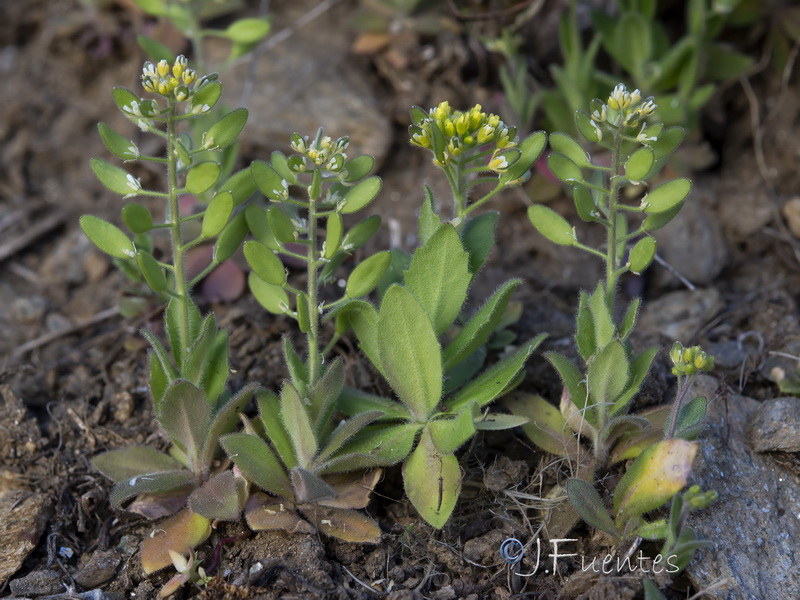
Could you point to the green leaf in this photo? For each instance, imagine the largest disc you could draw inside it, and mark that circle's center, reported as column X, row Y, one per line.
column 546, row 426
column 363, row 318
column 282, row 227
column 657, row 475
column 207, row 96
column 530, row 150
column 608, row 375
column 227, row 416
column 225, row 131
column 584, row 331
column 297, row 423
column 217, row 214
column 651, row 591
column 587, row 129
column 692, row 413
column 495, row 380
column 358, row 167
column 117, row 180
column 429, row 220
column 353, row 402
column 248, row 31
column 566, row 145
column 269, row 411
column 197, row 354
column 344, row 432
column 375, row 445
column 633, row 43
column 264, row 263
column 185, row 416
column 666, row 196
column 432, row 482
column 256, row 218
column 231, row 238
column 257, row 463
column 322, row 397
column 360, row 233
column 107, row 237
column 629, row 320
column 202, row 176
column 217, row 368
column 394, row 274
column 498, row 421
column 137, row 218
column 156, row 51
column 639, row 164
column 124, row 463
column 173, row 325
column 449, row 434
column 478, row 329
column 478, row 238
column 439, row 276
column 458, row 375
column 303, row 312
column 124, row 99
column 723, row 63
column 409, row 352
column 367, row 274
column 654, row 222
column 589, row 505
column 604, row 328
column 334, row 228
column 152, row 271
column 360, row 195
column 564, row 169
column 551, row 225
column 584, row 203
column 119, row 146
column 571, row 377
column 151, row 483
column 268, row 181
column 221, row 498
column 668, row 140
column 642, row 254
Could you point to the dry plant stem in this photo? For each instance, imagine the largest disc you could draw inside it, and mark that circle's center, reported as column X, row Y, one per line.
column 181, row 289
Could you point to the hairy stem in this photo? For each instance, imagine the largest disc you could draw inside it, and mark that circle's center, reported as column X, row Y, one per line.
column 181, row 288
column 313, row 313
column 613, row 209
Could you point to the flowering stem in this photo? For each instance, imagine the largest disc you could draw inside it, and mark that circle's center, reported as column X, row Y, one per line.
column 181, row 289
column 613, row 207
column 312, row 266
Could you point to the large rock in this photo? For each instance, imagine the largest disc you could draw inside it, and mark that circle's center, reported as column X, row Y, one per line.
column 755, row 524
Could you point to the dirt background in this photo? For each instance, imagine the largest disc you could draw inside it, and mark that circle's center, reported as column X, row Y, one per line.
column 73, row 371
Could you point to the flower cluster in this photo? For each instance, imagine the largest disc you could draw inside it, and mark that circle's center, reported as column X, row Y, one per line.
column 623, row 108
column 322, row 151
column 462, row 132
column 690, row 361
column 698, row 499
column 169, row 80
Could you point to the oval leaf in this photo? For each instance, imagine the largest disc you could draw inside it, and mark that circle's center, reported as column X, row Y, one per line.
column 225, row 131
column 271, row 297
column 361, row 194
column 202, row 176
column 268, row 181
column 217, row 214
column 358, row 167
column 360, row 233
column 207, row 96
column 666, row 196
column 367, row 274
column 639, row 164
column 642, row 254
column 551, row 225
column 117, row 144
column 107, row 237
column 137, row 218
column 264, row 263
column 566, row 145
column 432, row 482
column 248, row 31
column 180, row 534
column 117, row 180
column 333, row 235
column 281, row 225
column 152, row 271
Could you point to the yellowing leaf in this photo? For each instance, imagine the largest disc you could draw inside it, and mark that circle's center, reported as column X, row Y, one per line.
column 180, row 533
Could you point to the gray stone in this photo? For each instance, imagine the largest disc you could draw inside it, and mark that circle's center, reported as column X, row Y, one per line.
column 755, row 523
column 301, row 85
column 100, row 567
column 775, row 425
column 38, row 583
column 681, row 314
